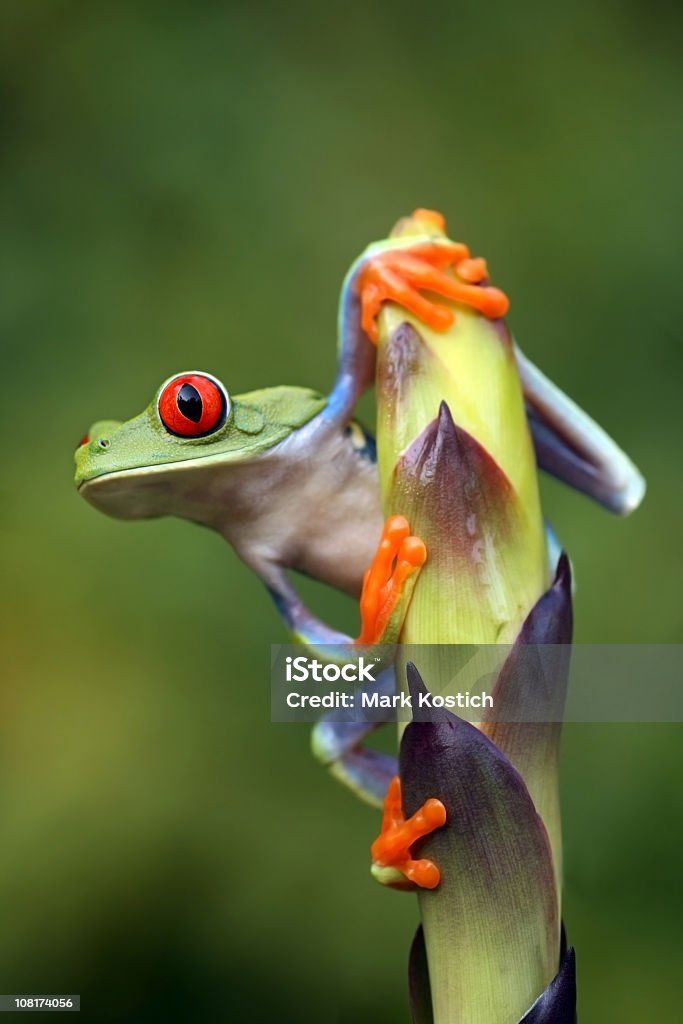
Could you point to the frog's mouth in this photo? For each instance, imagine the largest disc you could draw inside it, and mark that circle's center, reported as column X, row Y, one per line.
column 130, row 493
column 147, row 492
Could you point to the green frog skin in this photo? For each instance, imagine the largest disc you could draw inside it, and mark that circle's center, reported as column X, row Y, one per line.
column 289, row 479
column 266, row 443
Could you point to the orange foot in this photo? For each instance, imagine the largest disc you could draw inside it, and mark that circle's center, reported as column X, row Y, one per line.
column 441, row 267
column 392, row 863
column 399, row 555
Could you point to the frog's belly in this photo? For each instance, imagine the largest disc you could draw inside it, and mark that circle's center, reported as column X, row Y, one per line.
column 330, row 514
column 340, row 540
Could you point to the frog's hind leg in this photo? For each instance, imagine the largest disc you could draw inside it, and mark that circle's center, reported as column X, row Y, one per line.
column 387, row 589
column 572, row 447
column 339, row 746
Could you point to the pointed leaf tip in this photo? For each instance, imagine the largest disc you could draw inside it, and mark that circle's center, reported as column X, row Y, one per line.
column 529, row 699
column 564, row 570
column 550, row 621
column 416, row 684
column 446, row 421
column 417, row 689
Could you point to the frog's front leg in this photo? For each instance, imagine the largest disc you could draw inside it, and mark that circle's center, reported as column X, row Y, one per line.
column 357, row 358
column 387, row 588
column 401, row 275
column 402, row 269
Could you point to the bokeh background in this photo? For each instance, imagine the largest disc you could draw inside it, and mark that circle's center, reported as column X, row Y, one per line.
column 184, row 186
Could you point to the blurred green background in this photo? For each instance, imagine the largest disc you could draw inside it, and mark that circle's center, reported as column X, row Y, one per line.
column 184, row 186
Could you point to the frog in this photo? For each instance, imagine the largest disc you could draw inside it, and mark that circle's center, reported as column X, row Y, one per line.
column 289, row 478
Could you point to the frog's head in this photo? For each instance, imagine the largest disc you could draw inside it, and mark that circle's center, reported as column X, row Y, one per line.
column 172, row 458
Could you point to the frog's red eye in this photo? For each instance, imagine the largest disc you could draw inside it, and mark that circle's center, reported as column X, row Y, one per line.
column 192, row 405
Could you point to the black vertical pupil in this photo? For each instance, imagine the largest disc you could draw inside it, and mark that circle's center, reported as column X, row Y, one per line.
column 190, row 403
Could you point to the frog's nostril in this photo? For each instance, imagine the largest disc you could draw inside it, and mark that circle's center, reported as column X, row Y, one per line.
column 103, row 442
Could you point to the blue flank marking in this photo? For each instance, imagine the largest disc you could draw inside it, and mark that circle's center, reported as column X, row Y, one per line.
column 369, row 449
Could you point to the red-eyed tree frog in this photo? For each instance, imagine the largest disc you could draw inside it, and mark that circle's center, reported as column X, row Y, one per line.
column 290, row 480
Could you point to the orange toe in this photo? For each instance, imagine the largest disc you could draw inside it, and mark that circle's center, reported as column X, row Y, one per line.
column 432, row 218
column 444, row 269
column 391, row 849
column 399, row 555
